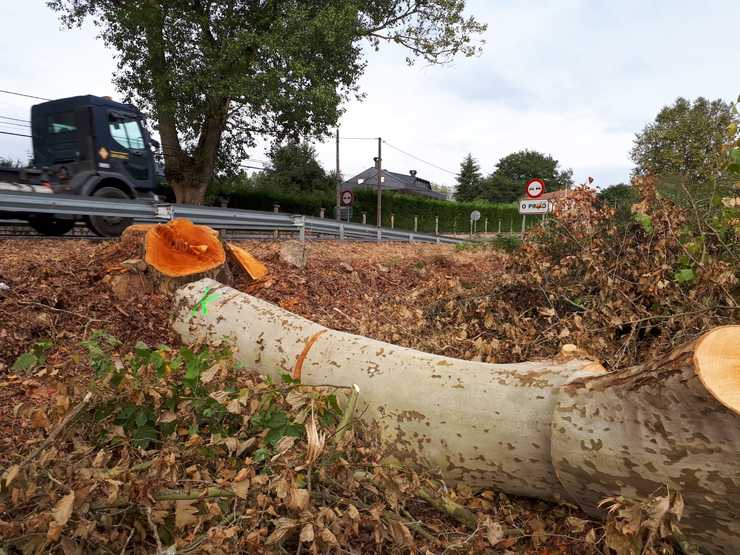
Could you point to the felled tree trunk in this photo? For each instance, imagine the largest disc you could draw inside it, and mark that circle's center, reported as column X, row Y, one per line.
column 674, row 423
column 550, row 429
column 486, row 424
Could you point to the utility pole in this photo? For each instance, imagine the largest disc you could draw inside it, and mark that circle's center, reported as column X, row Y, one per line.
column 339, row 183
column 379, row 166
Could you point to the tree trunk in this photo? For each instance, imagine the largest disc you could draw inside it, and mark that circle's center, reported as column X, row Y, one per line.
column 548, row 429
column 673, row 423
column 189, row 192
column 486, row 424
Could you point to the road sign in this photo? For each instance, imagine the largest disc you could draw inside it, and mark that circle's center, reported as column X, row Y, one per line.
column 474, row 216
column 535, row 188
column 347, row 198
column 534, row 206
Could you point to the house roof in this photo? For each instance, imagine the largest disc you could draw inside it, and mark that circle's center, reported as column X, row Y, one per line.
column 393, row 181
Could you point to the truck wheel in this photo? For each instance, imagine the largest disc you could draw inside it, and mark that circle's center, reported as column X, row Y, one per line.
column 109, row 226
column 49, row 225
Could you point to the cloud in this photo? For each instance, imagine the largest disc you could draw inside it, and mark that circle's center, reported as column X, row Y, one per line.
column 572, row 78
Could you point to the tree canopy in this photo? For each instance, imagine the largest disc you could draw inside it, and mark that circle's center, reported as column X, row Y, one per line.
column 685, row 141
column 506, row 183
column 469, row 180
column 214, row 74
column 294, row 168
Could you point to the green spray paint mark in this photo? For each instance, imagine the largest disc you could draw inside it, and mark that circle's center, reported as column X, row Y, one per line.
column 202, row 304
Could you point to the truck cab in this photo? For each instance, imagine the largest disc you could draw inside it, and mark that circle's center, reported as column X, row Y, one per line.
column 89, row 146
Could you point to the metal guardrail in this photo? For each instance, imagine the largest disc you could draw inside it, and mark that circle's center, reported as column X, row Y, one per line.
column 218, row 218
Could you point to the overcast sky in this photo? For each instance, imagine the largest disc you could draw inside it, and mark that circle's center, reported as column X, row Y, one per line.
column 574, row 79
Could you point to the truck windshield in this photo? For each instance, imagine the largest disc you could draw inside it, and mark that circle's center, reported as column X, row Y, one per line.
column 126, row 132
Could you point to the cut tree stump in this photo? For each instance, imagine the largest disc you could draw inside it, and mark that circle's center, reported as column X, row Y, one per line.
column 556, row 430
column 164, row 257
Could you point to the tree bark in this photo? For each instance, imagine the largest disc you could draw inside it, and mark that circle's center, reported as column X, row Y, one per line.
column 486, row 424
column 549, row 429
column 673, row 423
column 187, row 174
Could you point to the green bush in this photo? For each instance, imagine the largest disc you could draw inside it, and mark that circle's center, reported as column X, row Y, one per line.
column 508, row 243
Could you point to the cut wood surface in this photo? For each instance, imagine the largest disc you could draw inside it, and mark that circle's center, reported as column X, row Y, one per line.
column 165, row 257
column 548, row 429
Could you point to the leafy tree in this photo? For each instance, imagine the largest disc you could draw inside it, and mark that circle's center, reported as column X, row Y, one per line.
column 684, row 141
column 213, row 74
column 506, row 183
column 621, row 197
column 468, row 180
column 295, row 169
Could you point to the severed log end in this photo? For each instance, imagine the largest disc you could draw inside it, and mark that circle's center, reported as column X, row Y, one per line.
column 717, row 363
column 181, row 248
column 164, row 257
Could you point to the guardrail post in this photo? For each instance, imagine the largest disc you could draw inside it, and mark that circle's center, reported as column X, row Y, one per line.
column 364, row 218
column 380, row 235
column 524, row 222
column 499, row 225
column 393, row 221
column 276, row 233
column 322, row 212
column 411, row 237
column 416, row 224
column 511, row 226
column 300, row 223
column 436, row 226
column 485, row 226
column 341, row 232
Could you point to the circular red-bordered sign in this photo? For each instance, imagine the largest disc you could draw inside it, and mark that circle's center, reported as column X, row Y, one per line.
column 347, row 197
column 535, row 188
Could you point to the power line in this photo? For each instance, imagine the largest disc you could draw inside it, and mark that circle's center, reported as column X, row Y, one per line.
column 23, row 94
column 358, row 138
column 419, row 159
column 16, row 134
column 25, row 125
column 15, row 119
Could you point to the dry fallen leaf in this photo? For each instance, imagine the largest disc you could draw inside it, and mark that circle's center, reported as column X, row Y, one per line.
column 61, row 513
column 185, row 513
column 39, row 419
column 494, row 531
column 307, row 534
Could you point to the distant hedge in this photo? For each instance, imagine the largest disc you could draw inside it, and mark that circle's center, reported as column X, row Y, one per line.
column 454, row 217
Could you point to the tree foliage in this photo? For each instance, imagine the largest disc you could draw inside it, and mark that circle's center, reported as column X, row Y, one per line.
column 214, row 74
column 685, row 141
column 468, row 180
column 506, row 183
column 294, row 168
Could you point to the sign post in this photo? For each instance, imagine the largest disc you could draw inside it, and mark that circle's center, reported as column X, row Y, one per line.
column 346, row 198
column 474, row 217
column 534, row 204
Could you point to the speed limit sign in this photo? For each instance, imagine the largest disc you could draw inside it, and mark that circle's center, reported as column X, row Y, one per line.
column 347, row 198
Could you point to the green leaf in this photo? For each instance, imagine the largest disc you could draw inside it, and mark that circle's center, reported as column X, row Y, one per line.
column 261, row 455
column 645, row 221
column 685, row 275
column 25, row 362
column 288, row 379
